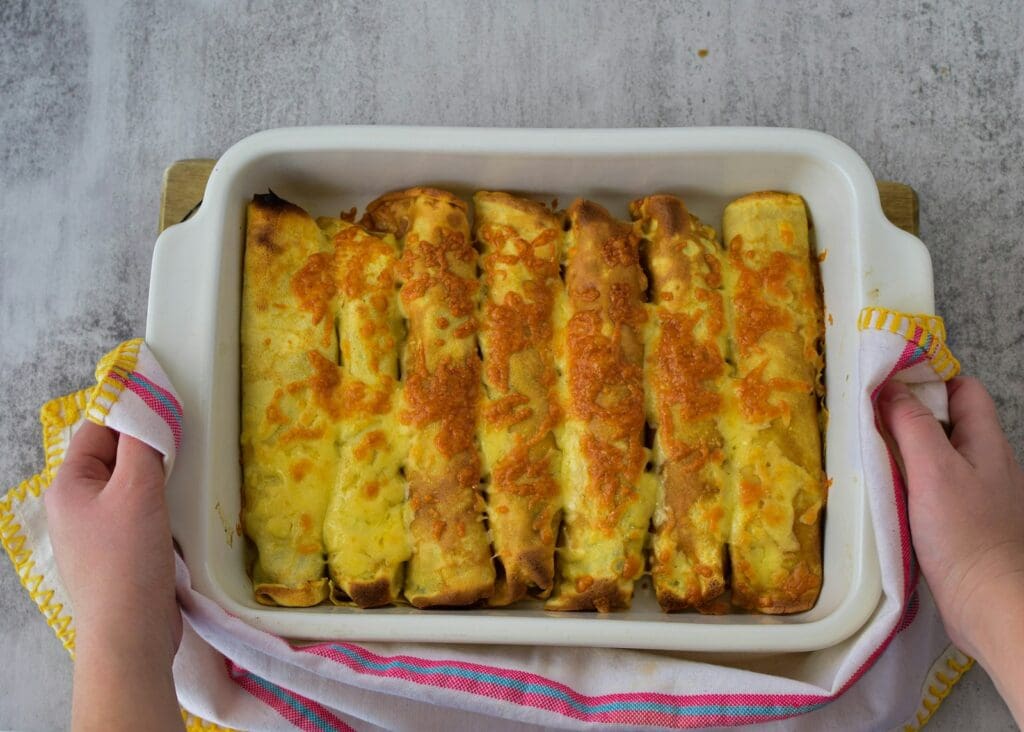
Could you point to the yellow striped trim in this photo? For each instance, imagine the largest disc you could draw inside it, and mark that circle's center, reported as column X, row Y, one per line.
column 14, row 543
column 56, row 416
column 108, row 390
column 943, row 676
column 198, row 724
column 940, row 357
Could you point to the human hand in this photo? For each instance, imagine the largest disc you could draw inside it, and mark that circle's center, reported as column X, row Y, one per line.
column 111, row 538
column 966, row 505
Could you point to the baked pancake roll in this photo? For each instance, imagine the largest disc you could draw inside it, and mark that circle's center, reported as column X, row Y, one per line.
column 687, row 376
column 520, row 243
column 364, row 529
column 289, row 400
column 451, row 556
column 775, row 543
column 607, row 495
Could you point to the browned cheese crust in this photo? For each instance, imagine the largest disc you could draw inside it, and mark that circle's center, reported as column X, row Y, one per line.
column 775, row 543
column 289, row 400
column 364, row 529
column 520, row 243
column 451, row 559
column 608, row 498
column 687, row 394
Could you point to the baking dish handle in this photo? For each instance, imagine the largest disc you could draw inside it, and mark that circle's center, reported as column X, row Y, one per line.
column 181, row 255
column 179, row 338
column 898, row 272
column 898, row 277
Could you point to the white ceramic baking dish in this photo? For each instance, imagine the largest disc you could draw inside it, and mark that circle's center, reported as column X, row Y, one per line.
column 194, row 318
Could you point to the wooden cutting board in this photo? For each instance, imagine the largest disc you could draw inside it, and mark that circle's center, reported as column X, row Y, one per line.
column 185, row 181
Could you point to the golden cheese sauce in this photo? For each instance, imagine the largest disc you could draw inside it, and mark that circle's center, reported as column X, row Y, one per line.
column 450, row 562
column 446, row 398
column 314, row 286
column 608, row 498
column 389, row 469
column 686, row 374
column 775, row 543
column 520, row 242
column 364, row 528
column 289, row 393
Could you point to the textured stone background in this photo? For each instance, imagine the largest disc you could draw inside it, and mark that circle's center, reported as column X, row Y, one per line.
column 96, row 101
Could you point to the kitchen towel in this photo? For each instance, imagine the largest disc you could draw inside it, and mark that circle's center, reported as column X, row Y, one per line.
column 892, row 674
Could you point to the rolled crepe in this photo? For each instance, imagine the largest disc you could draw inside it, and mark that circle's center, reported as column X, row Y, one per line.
column 451, row 556
column 290, row 404
column 520, row 241
column 687, row 382
column 775, row 542
column 608, row 497
column 364, row 528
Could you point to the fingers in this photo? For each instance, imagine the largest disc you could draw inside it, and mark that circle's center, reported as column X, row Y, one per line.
column 968, row 398
column 920, row 437
column 976, row 432
column 90, row 454
column 138, row 464
column 88, row 461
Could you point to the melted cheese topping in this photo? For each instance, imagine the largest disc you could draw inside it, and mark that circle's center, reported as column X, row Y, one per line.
column 521, row 245
column 364, row 528
column 608, row 498
column 289, row 397
column 451, row 556
column 687, row 394
column 775, row 543
column 369, row 421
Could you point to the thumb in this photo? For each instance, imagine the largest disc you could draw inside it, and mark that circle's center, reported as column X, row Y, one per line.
column 86, row 468
column 138, row 467
column 920, row 437
column 90, row 454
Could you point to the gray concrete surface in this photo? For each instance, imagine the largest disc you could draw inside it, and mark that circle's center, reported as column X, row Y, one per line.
column 98, row 97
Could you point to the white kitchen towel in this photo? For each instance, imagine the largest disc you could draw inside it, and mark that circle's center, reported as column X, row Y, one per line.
column 132, row 395
column 893, row 673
